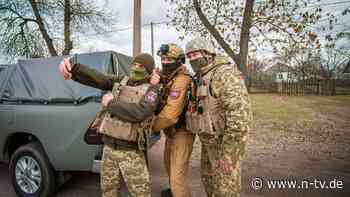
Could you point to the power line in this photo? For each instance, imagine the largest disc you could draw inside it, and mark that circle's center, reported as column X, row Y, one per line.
column 327, row 4
column 167, row 22
column 119, row 30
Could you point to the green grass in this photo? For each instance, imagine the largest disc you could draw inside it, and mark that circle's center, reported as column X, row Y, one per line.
column 273, row 107
column 285, row 111
column 342, row 91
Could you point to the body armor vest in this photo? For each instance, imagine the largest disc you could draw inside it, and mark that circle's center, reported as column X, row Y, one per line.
column 210, row 117
column 116, row 128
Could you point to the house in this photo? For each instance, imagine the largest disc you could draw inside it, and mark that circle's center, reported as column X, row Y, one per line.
column 281, row 72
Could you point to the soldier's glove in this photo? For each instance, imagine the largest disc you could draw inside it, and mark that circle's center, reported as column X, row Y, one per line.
column 107, row 98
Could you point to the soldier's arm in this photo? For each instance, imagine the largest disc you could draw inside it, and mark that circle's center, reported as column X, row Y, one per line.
column 136, row 112
column 170, row 113
column 230, row 89
column 91, row 77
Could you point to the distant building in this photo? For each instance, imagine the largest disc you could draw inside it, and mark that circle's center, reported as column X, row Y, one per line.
column 281, row 72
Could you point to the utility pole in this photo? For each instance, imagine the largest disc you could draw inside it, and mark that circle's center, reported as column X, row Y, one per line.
column 152, row 39
column 137, row 28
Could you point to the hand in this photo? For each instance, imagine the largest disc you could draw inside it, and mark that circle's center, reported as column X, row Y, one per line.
column 65, row 68
column 155, row 77
column 225, row 166
column 107, row 98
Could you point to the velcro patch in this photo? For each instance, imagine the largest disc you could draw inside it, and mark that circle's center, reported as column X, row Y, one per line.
column 151, row 97
column 175, row 94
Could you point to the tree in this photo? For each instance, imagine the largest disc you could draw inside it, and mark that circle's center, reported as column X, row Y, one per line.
column 237, row 27
column 256, row 68
column 303, row 63
column 333, row 61
column 38, row 28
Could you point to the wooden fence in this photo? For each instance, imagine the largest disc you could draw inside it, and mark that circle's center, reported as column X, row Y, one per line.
column 307, row 87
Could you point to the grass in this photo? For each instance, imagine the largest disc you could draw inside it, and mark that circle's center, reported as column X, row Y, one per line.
column 273, row 107
column 287, row 111
column 342, row 90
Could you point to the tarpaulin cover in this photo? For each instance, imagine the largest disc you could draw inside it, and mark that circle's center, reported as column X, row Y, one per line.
column 40, row 80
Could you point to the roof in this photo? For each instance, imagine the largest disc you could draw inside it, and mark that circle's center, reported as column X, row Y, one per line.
column 39, row 78
column 278, row 67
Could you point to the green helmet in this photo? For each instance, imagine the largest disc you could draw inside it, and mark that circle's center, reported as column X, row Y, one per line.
column 199, row 44
column 172, row 51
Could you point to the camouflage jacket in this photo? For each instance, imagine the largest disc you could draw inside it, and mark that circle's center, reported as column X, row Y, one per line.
column 227, row 85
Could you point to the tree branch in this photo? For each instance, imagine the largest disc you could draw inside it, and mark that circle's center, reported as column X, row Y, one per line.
column 244, row 37
column 215, row 33
column 42, row 28
column 68, row 45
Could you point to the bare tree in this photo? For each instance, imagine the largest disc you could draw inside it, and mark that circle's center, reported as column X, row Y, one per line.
column 302, row 62
column 237, row 27
column 38, row 28
column 332, row 61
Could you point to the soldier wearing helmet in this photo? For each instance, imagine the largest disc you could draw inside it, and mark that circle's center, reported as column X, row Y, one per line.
column 219, row 112
column 179, row 141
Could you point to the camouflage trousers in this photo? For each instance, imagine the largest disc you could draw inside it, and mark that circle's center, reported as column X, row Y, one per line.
column 129, row 165
column 216, row 183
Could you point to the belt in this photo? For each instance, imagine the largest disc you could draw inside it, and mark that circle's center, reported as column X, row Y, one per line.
column 119, row 144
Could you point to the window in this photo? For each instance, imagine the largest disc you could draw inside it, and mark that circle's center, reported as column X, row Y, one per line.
column 280, row 76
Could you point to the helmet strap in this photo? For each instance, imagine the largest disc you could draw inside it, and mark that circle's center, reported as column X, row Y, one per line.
column 208, row 57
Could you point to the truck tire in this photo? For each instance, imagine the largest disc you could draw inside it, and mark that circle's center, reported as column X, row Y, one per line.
column 31, row 173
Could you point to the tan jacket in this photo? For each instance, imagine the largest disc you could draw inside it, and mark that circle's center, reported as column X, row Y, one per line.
column 175, row 99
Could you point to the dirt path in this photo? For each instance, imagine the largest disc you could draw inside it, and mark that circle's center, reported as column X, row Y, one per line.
column 318, row 148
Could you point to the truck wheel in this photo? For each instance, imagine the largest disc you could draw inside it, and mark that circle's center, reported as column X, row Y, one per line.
column 31, row 172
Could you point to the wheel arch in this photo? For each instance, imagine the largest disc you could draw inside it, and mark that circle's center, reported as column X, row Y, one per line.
column 16, row 140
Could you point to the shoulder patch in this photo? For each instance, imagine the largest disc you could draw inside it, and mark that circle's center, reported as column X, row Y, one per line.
column 174, row 94
column 151, row 97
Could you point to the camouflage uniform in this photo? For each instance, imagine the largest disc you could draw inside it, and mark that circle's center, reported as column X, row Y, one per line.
column 179, row 141
column 129, row 164
column 122, row 159
column 223, row 124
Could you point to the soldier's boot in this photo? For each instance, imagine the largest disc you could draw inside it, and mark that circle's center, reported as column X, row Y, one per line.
column 166, row 193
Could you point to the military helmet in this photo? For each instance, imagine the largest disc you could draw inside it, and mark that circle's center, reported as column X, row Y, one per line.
column 199, row 44
column 172, row 51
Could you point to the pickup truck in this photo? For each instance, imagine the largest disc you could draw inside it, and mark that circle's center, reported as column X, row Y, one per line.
column 45, row 121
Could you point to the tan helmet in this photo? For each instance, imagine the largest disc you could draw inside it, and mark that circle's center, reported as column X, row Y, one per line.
column 172, row 51
column 199, row 44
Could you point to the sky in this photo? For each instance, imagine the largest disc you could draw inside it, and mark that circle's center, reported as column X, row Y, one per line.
column 156, row 12
column 152, row 11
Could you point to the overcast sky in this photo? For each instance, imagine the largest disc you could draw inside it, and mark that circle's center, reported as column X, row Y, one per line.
column 121, row 41
column 153, row 11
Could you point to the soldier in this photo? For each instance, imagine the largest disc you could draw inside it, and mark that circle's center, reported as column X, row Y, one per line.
column 179, row 141
column 219, row 112
column 130, row 109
